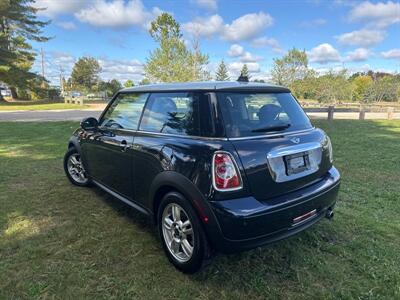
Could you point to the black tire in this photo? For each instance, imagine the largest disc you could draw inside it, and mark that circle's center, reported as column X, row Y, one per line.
column 201, row 249
column 72, row 151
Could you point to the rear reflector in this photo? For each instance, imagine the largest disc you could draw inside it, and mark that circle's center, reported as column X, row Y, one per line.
column 306, row 216
column 225, row 173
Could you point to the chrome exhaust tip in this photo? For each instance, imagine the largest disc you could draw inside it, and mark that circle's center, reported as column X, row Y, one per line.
column 329, row 214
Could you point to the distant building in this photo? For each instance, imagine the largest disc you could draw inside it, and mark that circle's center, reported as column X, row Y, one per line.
column 5, row 90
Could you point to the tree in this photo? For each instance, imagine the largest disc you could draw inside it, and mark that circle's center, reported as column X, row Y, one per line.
column 85, row 73
column 18, row 26
column 197, row 63
column 144, row 81
column 245, row 72
column 333, row 87
column 385, row 88
column 292, row 66
column 361, row 85
column 172, row 61
column 129, row 83
column 110, row 87
column 222, row 72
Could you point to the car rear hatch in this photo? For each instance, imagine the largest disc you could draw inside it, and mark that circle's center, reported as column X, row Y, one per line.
column 281, row 164
column 279, row 149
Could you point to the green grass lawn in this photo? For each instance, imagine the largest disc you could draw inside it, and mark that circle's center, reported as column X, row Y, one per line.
column 39, row 106
column 61, row 241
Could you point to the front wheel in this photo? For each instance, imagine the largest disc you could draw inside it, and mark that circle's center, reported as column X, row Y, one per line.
column 74, row 169
column 182, row 236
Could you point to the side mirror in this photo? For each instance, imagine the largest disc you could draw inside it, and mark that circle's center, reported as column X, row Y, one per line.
column 89, row 123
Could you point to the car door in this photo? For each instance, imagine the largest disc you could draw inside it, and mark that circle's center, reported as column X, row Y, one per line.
column 108, row 151
column 160, row 142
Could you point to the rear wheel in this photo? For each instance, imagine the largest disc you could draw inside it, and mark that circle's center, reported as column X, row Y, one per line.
column 74, row 169
column 182, row 236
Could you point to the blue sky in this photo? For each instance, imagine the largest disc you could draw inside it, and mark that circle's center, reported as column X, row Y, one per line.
column 357, row 35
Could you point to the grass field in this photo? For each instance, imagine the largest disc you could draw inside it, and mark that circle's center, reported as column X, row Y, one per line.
column 59, row 241
column 7, row 106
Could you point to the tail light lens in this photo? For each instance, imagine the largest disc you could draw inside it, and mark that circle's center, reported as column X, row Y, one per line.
column 226, row 175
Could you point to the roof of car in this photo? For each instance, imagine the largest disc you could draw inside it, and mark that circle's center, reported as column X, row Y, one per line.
column 208, row 86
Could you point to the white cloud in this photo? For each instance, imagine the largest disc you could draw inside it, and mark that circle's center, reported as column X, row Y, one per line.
column 267, row 42
column 363, row 37
column 242, row 28
column 52, row 8
column 244, row 56
column 247, row 57
column 376, row 14
column 323, row 54
column 204, row 27
column 117, row 14
column 67, row 25
column 235, row 50
column 359, row 54
column 235, row 67
column 247, row 26
column 63, row 60
column 313, row 23
column 391, row 54
column 121, row 69
column 210, row 5
column 339, row 68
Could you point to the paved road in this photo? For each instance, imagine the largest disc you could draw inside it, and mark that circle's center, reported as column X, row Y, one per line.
column 77, row 115
column 49, row 115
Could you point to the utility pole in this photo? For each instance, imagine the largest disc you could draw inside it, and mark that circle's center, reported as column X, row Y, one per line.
column 61, row 79
column 42, row 56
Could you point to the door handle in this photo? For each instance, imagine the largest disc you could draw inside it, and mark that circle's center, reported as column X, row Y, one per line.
column 124, row 145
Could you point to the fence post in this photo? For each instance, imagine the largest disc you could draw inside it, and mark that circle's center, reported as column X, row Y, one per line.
column 330, row 112
column 362, row 114
column 390, row 113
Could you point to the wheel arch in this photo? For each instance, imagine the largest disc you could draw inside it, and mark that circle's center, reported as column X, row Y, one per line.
column 74, row 143
column 168, row 181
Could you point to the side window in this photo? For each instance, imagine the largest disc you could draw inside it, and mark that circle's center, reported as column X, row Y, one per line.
column 125, row 111
column 174, row 113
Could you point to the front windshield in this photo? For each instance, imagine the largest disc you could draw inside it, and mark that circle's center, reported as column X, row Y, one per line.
column 250, row 114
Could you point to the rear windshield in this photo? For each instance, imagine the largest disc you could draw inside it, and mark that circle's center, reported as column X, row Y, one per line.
column 250, row 114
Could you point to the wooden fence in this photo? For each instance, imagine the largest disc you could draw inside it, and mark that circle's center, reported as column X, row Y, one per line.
column 81, row 100
column 384, row 111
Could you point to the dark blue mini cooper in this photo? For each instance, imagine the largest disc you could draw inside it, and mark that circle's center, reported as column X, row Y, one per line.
column 223, row 166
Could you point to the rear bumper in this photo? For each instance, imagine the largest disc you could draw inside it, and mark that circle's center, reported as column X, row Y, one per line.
column 247, row 223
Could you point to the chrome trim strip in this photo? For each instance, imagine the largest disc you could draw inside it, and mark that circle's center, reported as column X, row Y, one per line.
column 192, row 137
column 277, row 167
column 270, row 135
column 293, row 149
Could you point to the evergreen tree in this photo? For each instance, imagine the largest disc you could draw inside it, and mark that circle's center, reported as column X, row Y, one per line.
column 245, row 72
column 18, row 26
column 222, row 72
column 85, row 73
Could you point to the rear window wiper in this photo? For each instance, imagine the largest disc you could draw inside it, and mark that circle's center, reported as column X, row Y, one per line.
column 272, row 128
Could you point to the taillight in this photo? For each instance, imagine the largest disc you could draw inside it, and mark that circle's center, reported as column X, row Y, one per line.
column 226, row 175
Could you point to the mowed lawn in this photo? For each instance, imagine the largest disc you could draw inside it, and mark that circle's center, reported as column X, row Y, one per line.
column 60, row 241
column 11, row 106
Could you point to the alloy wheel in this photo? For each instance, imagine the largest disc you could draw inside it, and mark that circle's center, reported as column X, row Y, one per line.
column 178, row 232
column 76, row 169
